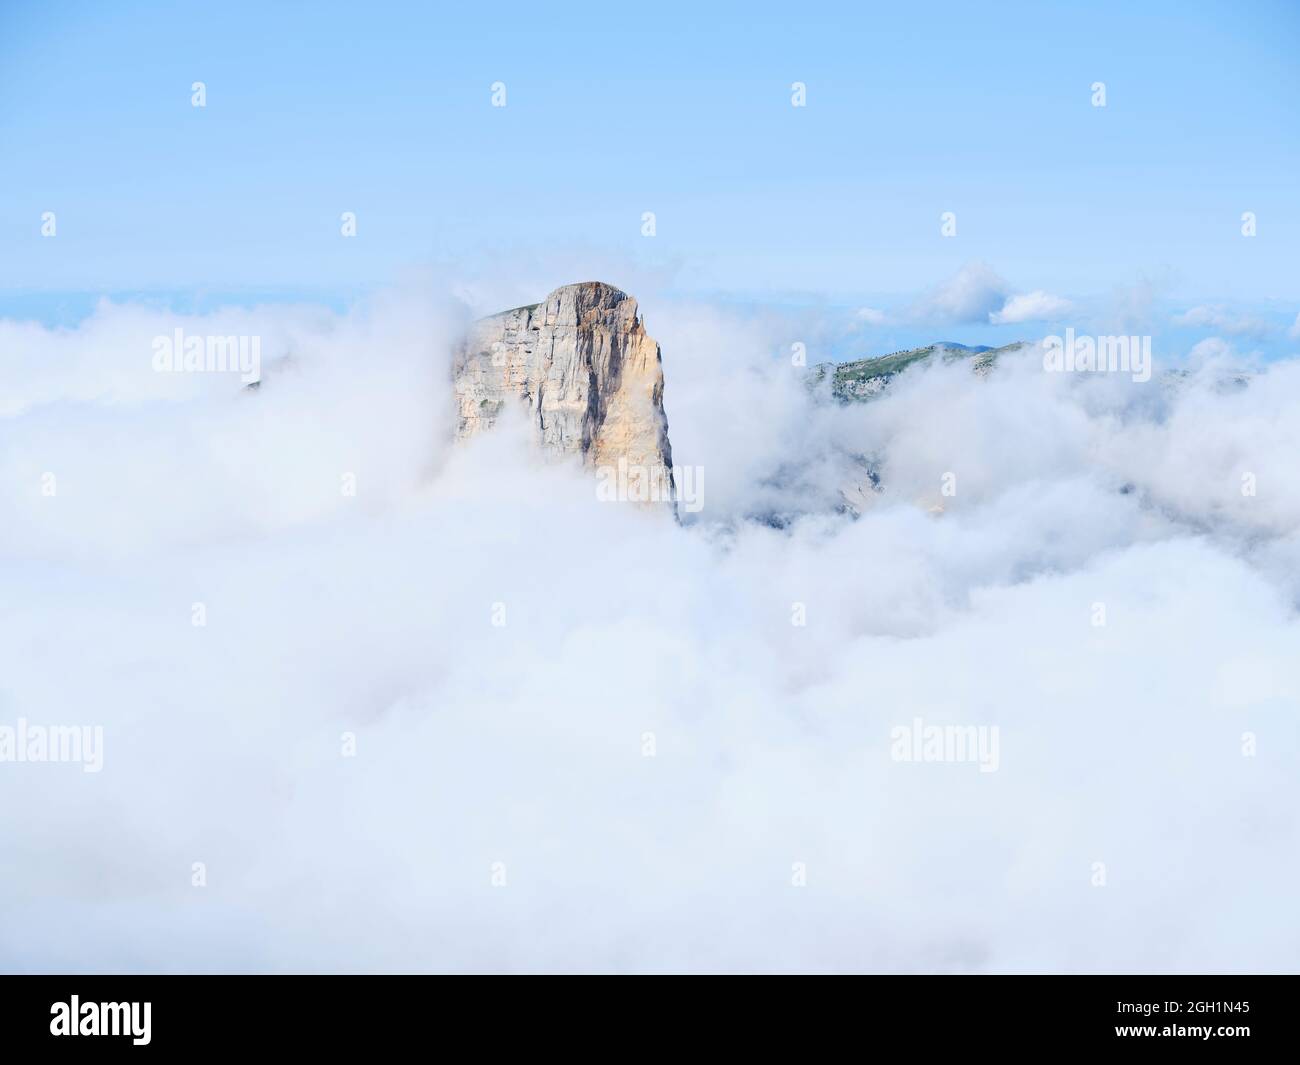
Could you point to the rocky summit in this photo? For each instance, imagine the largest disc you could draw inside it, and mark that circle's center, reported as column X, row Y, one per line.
column 585, row 372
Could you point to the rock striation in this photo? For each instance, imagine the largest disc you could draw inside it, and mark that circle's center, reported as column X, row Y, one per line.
column 584, row 370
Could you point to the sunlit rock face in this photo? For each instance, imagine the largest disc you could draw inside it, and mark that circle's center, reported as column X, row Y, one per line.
column 586, row 372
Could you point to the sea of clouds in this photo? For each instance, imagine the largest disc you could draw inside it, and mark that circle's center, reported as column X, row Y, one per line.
column 501, row 811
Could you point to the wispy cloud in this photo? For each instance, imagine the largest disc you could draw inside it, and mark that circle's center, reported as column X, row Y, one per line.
column 1036, row 306
column 970, row 295
column 977, row 294
column 1226, row 321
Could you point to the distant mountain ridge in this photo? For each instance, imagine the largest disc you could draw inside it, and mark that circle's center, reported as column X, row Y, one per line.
column 863, row 379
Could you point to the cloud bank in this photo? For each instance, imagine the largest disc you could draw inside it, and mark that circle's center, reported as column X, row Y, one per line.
column 588, row 738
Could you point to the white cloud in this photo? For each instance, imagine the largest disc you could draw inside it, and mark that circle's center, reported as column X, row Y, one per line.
column 971, row 295
column 1294, row 331
column 523, row 744
column 1224, row 321
column 871, row 316
column 1036, row 306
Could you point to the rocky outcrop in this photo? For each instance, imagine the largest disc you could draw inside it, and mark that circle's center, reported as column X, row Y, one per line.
column 585, row 372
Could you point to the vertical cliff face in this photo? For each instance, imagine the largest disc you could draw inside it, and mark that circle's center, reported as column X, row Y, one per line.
column 584, row 369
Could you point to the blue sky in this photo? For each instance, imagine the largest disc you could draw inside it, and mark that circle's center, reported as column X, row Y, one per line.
column 612, row 110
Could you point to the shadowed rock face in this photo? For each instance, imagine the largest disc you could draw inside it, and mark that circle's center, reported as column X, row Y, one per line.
column 585, row 371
